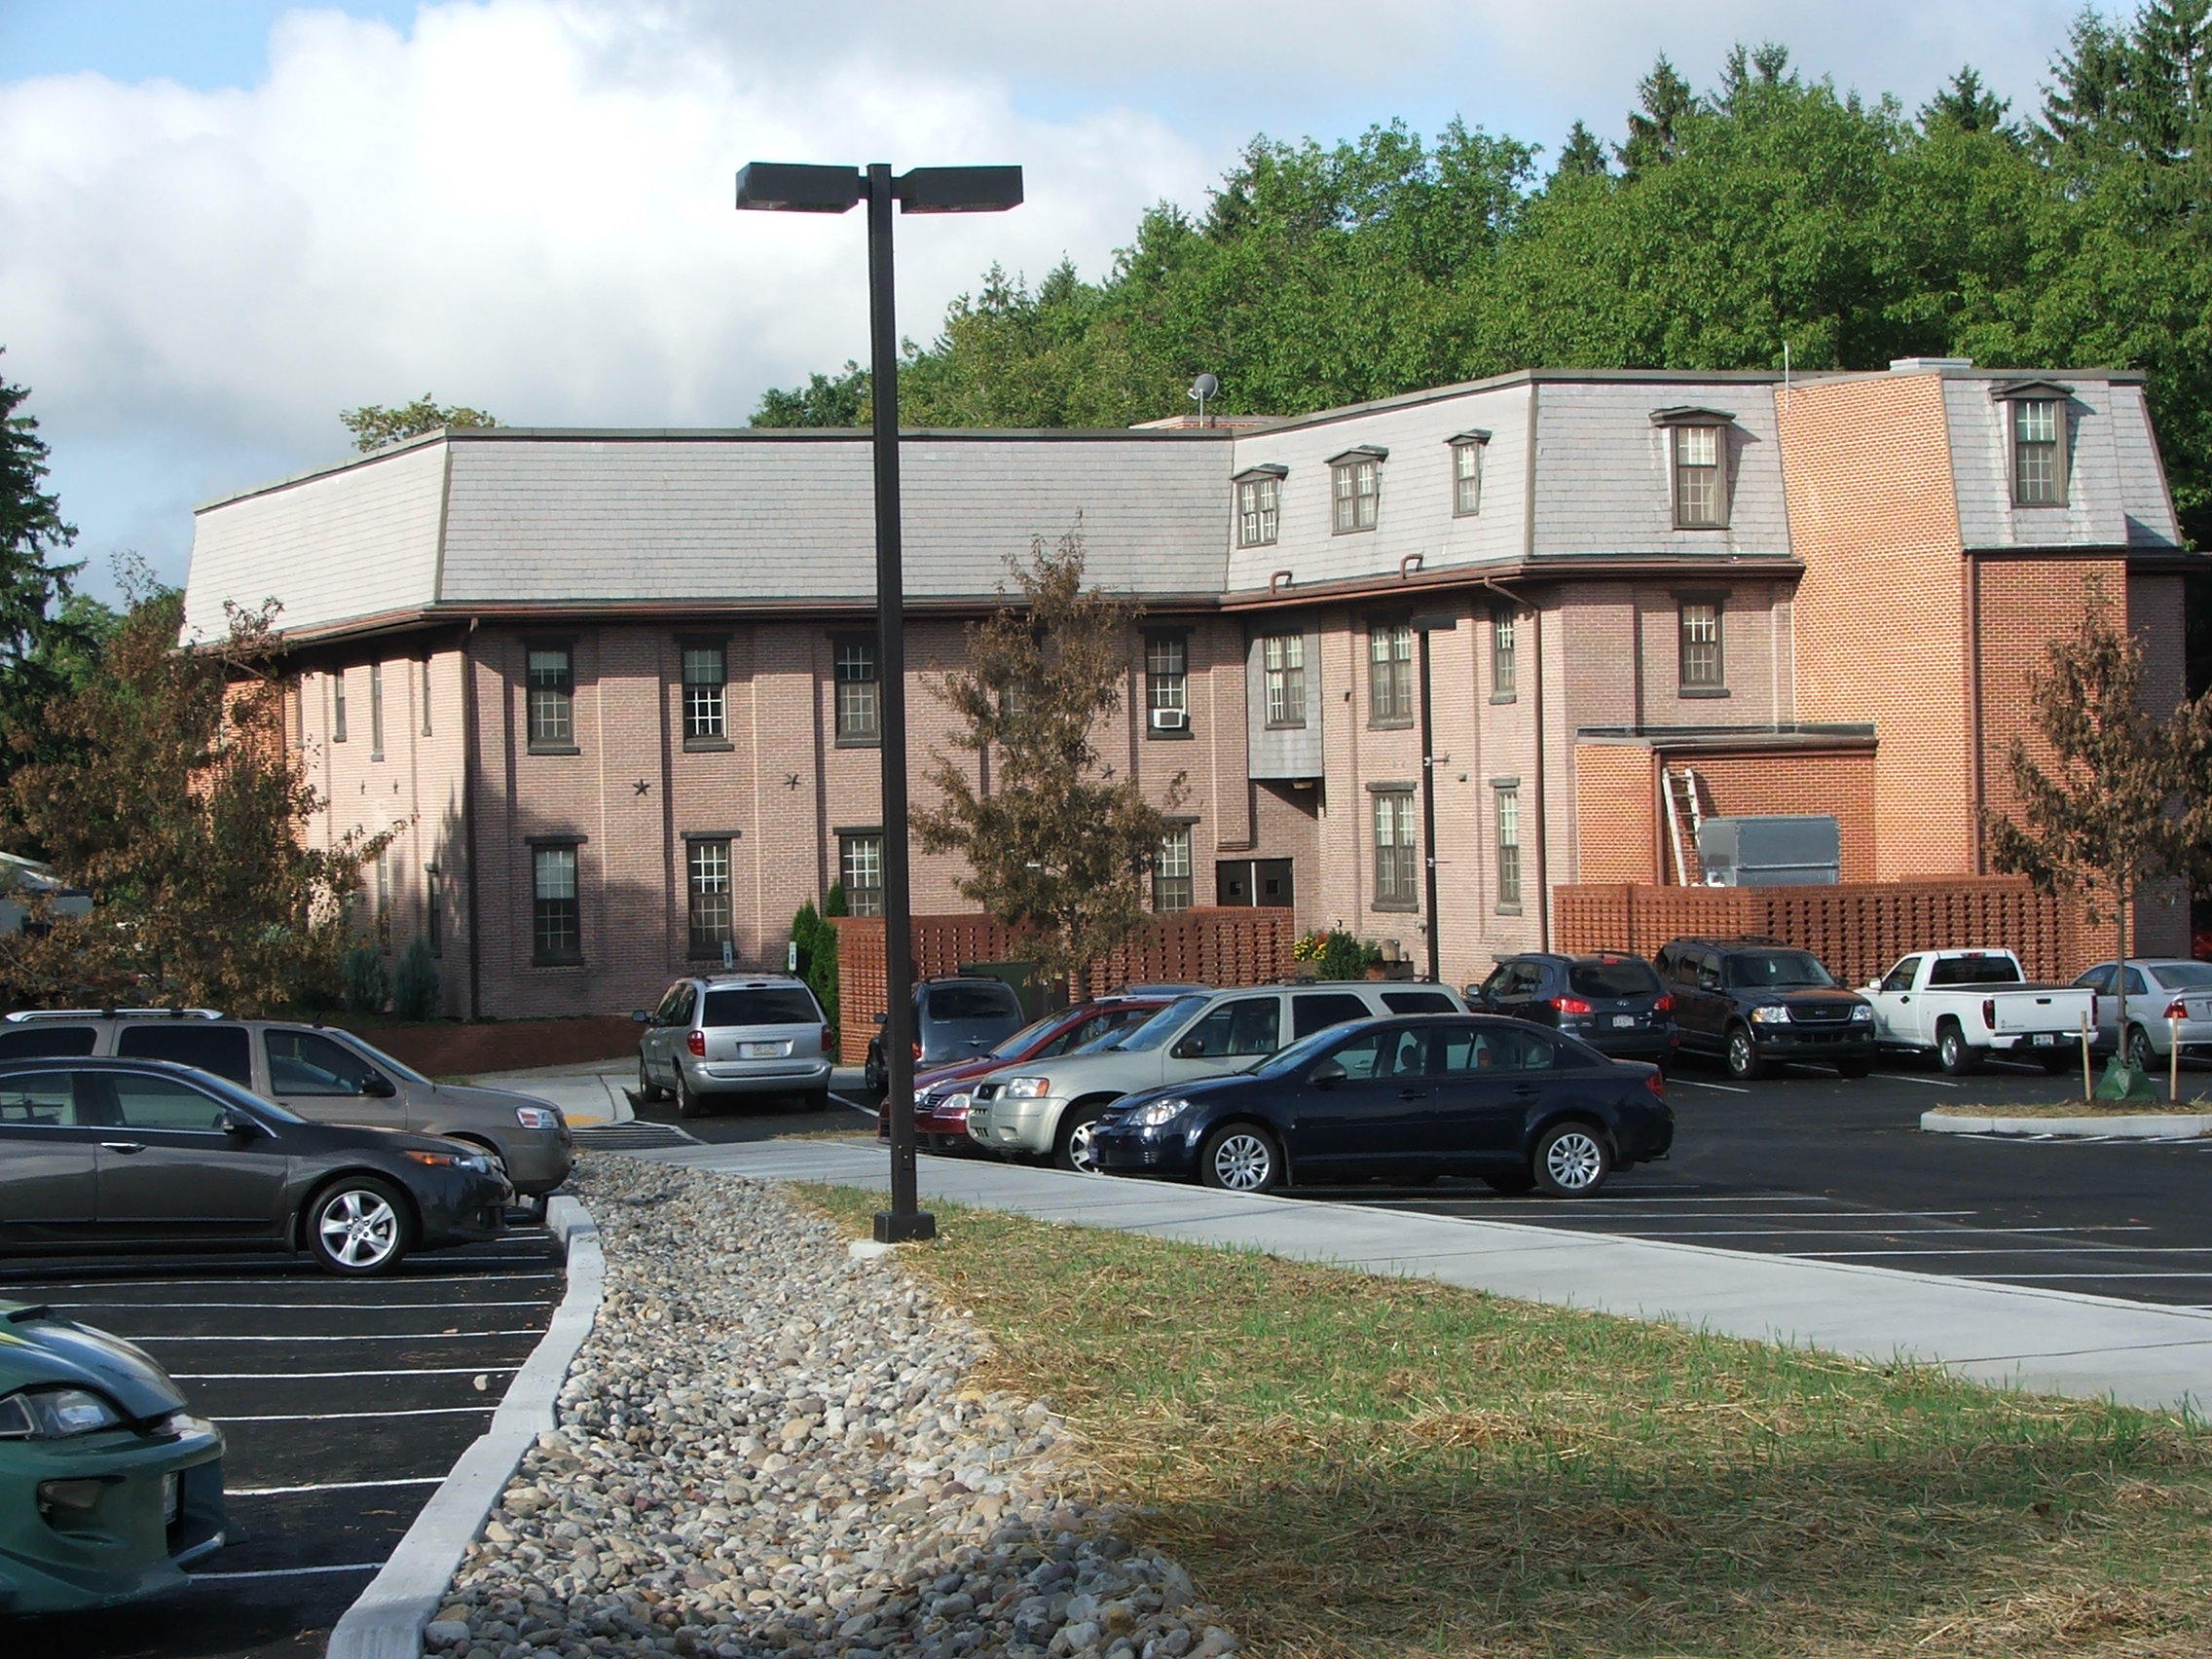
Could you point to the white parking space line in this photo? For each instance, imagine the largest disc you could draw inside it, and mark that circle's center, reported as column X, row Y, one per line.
column 315, row 1376
column 364, row 1336
column 1608, row 1213
column 2091, row 1248
column 1883, row 1231
column 1926, row 1082
column 286, row 1572
column 1693, row 1083
column 337, row 1307
column 2110, row 1273
column 484, row 1410
column 333, row 1486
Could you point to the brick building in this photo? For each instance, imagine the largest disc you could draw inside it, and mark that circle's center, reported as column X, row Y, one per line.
column 618, row 685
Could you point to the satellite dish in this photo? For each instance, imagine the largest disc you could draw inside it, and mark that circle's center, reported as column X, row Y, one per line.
column 1201, row 388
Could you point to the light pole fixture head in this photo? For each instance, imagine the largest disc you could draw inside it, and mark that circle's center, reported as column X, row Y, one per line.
column 790, row 187
column 959, row 190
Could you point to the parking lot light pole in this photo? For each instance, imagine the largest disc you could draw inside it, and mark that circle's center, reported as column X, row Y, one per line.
column 780, row 186
column 1423, row 625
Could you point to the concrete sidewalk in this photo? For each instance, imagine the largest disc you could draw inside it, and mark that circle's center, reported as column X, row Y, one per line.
column 2050, row 1341
column 595, row 1092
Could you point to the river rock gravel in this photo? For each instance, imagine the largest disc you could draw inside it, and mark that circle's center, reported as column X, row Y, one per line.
column 767, row 1448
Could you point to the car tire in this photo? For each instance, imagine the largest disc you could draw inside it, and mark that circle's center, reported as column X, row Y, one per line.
column 358, row 1227
column 1855, row 1068
column 1953, row 1052
column 1071, row 1141
column 648, row 1089
column 688, row 1102
column 1572, row 1160
column 817, row 1099
column 1240, row 1158
column 1518, row 1183
column 1746, row 1064
column 2140, row 1054
column 875, row 1079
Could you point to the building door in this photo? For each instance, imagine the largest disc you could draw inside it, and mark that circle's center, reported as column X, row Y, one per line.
column 1264, row 882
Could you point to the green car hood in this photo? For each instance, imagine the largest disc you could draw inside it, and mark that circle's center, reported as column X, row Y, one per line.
column 37, row 1349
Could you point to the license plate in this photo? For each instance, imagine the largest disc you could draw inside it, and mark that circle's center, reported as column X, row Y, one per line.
column 1624, row 1019
column 2044, row 1039
column 173, row 1498
column 760, row 1050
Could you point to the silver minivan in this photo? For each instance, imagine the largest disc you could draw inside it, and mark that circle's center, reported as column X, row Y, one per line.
column 724, row 1035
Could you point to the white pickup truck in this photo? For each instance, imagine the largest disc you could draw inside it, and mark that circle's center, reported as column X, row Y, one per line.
column 1964, row 1004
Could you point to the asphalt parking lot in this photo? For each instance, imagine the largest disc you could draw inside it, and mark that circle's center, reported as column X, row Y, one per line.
column 344, row 1402
column 744, row 1118
column 1811, row 1164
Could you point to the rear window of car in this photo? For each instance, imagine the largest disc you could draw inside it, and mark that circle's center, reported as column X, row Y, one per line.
column 1622, row 978
column 969, row 1002
column 2184, row 976
column 1419, row 1002
column 219, row 1049
column 1974, row 971
column 791, row 1004
column 47, row 1042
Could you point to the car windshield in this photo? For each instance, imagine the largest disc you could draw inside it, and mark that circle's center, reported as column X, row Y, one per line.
column 1611, row 977
column 1160, row 1028
column 1779, row 969
column 2184, row 976
column 1010, row 1049
column 370, row 1052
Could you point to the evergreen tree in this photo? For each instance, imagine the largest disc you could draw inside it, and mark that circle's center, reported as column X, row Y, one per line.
column 1582, row 156
column 1663, row 100
column 1966, row 105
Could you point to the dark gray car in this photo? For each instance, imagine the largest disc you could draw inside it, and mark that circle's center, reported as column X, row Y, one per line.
column 954, row 1020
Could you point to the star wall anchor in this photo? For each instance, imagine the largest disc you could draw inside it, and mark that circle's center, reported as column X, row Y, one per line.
column 643, row 787
column 791, row 780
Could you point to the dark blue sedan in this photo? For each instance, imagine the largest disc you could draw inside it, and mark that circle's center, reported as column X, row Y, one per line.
column 1524, row 1108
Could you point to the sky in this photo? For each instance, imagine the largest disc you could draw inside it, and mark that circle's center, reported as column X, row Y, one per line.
column 223, row 221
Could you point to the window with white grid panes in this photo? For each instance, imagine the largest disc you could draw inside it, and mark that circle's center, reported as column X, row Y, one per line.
column 1704, row 667
column 860, row 870
column 375, row 710
column 556, row 924
column 1171, row 887
column 1283, row 661
column 1167, row 681
column 1258, row 514
column 2039, row 478
column 1466, row 479
column 860, row 709
column 1699, row 489
column 707, row 876
column 1505, row 654
column 1396, row 881
column 1508, row 815
column 1390, row 673
column 337, row 706
column 704, row 682
column 552, row 697
column 425, row 693
column 1358, row 486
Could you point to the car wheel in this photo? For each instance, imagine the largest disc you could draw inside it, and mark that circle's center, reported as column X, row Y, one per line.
column 2140, row 1054
column 873, row 1078
column 1071, row 1147
column 1513, row 1185
column 1571, row 1160
column 1953, row 1052
column 1855, row 1068
column 358, row 1227
column 648, row 1089
column 688, row 1103
column 1745, row 1062
column 1240, row 1158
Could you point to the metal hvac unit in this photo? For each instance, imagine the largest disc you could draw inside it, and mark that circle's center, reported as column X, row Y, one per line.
column 1770, row 852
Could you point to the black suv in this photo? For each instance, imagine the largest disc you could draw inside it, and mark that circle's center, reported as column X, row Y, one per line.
column 1612, row 1001
column 1757, row 1002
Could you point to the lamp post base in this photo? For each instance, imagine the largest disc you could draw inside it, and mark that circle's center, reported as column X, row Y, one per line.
column 892, row 1227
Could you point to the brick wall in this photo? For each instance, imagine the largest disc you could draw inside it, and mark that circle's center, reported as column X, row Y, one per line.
column 1205, row 946
column 1857, row 929
column 1836, row 782
column 1617, row 835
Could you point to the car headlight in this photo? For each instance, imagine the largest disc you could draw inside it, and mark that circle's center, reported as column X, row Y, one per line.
column 1774, row 1014
column 1862, row 1011
column 55, row 1414
column 538, row 1117
column 1027, row 1089
column 475, row 1160
column 958, row 1103
column 1155, row 1113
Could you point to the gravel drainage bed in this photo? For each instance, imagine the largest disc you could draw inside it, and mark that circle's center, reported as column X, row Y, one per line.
column 766, row 1448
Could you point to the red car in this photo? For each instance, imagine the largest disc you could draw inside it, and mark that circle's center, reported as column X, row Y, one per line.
column 941, row 1126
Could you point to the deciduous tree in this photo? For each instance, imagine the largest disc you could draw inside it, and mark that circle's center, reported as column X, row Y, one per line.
column 1057, row 841
column 373, row 426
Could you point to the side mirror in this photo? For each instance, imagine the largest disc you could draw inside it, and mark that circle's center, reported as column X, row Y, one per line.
column 239, row 1123
column 639, row 1016
column 1189, row 1048
column 1873, row 984
column 882, row 1019
column 377, row 1086
column 1326, row 1074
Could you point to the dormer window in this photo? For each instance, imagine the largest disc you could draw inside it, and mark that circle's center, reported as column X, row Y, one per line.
column 1467, row 472
column 1259, row 500
column 2039, row 441
column 1698, row 445
column 1357, row 484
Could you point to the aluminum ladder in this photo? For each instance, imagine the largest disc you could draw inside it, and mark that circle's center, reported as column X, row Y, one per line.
column 1685, row 812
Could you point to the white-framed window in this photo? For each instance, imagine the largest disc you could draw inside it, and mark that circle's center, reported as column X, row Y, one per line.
column 860, row 708
column 707, row 876
column 1397, row 884
column 1357, row 487
column 859, row 871
column 1390, row 673
column 426, row 690
column 1701, row 483
column 1505, row 654
column 552, row 697
column 2038, row 452
column 1466, row 478
column 376, row 712
column 1508, row 815
column 556, row 921
column 1166, row 682
column 704, row 685
column 1171, row 889
column 337, row 706
column 1258, row 511
column 1704, row 660
column 1283, row 659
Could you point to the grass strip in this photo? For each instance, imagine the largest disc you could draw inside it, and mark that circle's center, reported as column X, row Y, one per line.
column 1363, row 1466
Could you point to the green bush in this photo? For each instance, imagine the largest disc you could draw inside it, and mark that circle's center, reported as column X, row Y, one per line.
column 365, row 985
column 415, row 986
column 1343, row 957
column 816, row 942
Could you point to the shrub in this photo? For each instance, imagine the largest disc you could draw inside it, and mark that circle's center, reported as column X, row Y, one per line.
column 1336, row 954
column 365, row 986
column 816, row 942
column 415, row 986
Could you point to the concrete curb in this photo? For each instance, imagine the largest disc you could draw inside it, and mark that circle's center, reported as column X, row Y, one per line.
column 386, row 1622
column 2131, row 1125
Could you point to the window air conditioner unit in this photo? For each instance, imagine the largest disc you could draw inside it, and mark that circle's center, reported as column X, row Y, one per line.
column 1170, row 719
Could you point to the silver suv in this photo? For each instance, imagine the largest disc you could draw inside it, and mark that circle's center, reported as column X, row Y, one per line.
column 731, row 1034
column 320, row 1072
column 1051, row 1107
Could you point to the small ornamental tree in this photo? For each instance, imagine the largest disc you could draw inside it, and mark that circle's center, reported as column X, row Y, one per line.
column 1057, row 841
column 2114, row 811
column 373, row 426
column 183, row 815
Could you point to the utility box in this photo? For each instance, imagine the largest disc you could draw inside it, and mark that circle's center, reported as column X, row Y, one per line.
column 1795, row 850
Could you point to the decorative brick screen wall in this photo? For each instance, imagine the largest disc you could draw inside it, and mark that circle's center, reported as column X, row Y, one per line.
column 1204, row 946
column 1858, row 930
